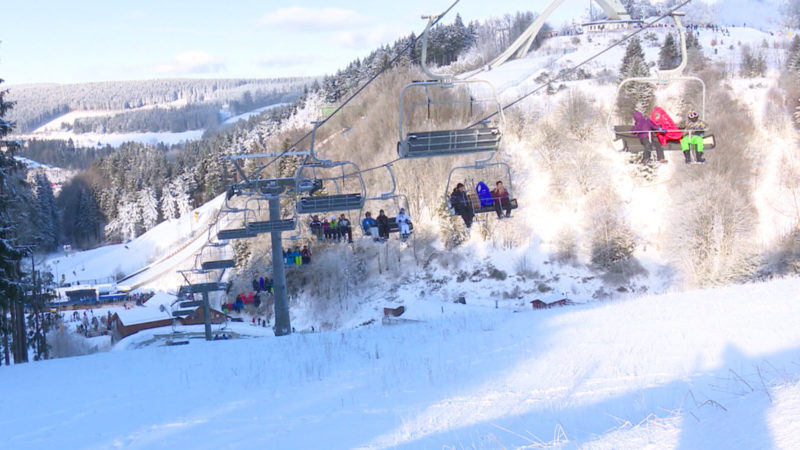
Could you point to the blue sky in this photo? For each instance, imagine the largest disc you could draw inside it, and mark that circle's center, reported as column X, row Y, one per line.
column 98, row 40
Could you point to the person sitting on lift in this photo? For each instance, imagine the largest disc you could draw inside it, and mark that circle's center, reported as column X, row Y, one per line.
column 345, row 229
column 404, row 223
column 369, row 225
column 316, row 227
column 501, row 201
column 694, row 130
column 645, row 129
column 383, row 225
column 460, row 203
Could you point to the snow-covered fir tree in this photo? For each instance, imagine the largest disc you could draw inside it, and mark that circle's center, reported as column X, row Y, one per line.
column 181, row 189
column 45, row 212
column 635, row 96
column 169, row 207
column 148, row 205
column 669, row 55
column 128, row 221
column 12, row 320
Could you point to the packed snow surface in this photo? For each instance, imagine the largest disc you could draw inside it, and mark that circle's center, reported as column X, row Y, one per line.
column 704, row 369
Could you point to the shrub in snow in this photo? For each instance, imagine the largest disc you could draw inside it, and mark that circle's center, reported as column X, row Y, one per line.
column 611, row 238
column 577, row 114
column 753, row 63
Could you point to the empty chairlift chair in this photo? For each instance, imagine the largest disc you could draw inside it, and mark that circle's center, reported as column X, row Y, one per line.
column 423, row 136
column 217, row 255
column 342, row 177
column 446, row 116
column 255, row 219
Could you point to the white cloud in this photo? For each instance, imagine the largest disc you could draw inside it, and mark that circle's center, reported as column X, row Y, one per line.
column 284, row 60
column 135, row 15
column 310, row 19
column 368, row 37
column 192, row 62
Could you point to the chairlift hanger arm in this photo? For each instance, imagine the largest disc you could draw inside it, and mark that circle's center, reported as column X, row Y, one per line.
column 588, row 60
column 521, row 46
column 410, row 45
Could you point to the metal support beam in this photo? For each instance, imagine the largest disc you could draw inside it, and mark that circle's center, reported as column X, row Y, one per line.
column 282, row 323
column 207, row 315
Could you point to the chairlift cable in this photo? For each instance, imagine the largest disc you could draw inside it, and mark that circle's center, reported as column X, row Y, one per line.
column 360, row 89
column 586, row 61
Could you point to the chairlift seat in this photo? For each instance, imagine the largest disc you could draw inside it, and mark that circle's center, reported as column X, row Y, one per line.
column 199, row 288
column 191, row 304
column 424, row 144
column 394, row 227
column 218, row 264
column 309, row 185
column 329, row 203
column 182, row 312
column 631, row 143
column 271, row 226
column 475, row 204
column 235, row 233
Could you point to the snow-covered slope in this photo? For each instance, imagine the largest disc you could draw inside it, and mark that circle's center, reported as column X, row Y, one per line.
column 703, row 369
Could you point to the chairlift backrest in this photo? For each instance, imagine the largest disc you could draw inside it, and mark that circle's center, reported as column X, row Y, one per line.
column 664, row 77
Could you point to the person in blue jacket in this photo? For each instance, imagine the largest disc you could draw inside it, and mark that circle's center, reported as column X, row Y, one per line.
column 369, row 225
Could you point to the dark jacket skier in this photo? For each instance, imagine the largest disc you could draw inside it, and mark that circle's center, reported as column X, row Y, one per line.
column 460, row 203
column 383, row 225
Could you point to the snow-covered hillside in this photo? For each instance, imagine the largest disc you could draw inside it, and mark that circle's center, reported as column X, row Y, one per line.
column 470, row 364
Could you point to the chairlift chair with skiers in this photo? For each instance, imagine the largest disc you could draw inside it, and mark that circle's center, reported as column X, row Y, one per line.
column 479, row 197
column 397, row 200
column 629, row 139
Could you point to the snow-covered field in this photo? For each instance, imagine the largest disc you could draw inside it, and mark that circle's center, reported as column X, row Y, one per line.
column 52, row 130
column 705, row 369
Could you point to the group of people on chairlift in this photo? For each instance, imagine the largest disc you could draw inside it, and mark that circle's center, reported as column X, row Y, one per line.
column 380, row 227
column 336, row 229
column 461, row 203
column 655, row 131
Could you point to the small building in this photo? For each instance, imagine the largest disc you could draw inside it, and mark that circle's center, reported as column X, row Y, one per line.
column 610, row 25
column 121, row 330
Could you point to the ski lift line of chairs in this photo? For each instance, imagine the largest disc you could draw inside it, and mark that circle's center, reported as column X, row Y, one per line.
column 477, row 204
column 340, row 201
